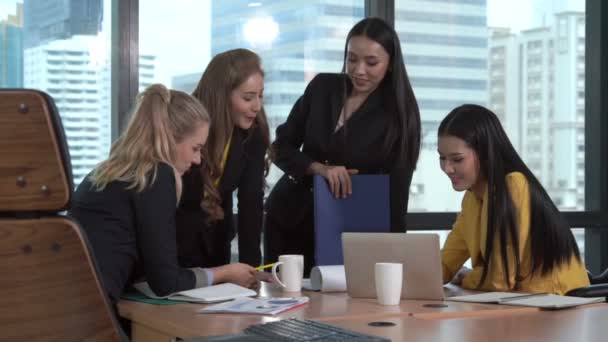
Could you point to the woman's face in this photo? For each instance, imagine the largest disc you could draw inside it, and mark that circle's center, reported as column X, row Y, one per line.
column 246, row 101
column 366, row 64
column 459, row 162
column 188, row 151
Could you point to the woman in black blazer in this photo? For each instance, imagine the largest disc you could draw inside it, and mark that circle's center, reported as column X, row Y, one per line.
column 364, row 120
column 126, row 205
column 231, row 88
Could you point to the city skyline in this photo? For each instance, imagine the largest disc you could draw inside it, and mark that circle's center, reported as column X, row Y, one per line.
column 156, row 39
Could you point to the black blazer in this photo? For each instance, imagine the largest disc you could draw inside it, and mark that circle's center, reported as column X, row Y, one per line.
column 132, row 233
column 244, row 170
column 356, row 145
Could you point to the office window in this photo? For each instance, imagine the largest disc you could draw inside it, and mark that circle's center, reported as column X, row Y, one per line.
column 526, row 77
column 62, row 48
column 500, row 29
column 295, row 39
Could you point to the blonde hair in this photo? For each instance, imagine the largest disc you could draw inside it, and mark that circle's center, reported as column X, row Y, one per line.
column 161, row 119
column 226, row 72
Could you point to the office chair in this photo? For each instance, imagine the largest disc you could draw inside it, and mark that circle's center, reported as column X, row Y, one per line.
column 598, row 287
column 48, row 280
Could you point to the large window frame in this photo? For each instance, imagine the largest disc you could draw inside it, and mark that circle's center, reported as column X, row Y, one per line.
column 594, row 219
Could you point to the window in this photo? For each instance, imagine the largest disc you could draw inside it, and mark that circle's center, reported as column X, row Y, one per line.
column 56, row 55
column 296, row 40
column 527, row 73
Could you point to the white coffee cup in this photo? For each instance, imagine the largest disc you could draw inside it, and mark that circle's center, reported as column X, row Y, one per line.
column 389, row 278
column 292, row 272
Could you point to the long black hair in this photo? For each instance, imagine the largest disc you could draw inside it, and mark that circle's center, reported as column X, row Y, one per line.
column 399, row 97
column 551, row 239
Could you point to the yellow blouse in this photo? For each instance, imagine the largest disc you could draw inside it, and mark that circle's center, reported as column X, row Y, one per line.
column 467, row 240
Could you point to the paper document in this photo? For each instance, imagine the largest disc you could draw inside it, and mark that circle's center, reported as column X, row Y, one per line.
column 487, row 297
column 208, row 294
column 328, row 278
column 539, row 300
column 551, row 301
column 258, row 306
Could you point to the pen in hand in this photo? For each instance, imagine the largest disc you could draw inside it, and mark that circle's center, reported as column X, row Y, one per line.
column 259, row 268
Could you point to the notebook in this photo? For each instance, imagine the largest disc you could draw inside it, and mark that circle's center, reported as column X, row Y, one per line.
column 366, row 210
column 419, row 254
column 257, row 306
column 539, row 300
column 208, row 294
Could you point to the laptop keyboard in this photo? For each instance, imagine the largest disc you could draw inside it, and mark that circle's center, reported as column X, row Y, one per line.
column 295, row 329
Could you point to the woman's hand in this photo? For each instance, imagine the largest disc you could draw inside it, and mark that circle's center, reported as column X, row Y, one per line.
column 238, row 273
column 265, row 277
column 457, row 280
column 338, row 178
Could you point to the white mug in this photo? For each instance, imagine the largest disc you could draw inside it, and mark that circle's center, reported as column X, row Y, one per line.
column 389, row 278
column 292, row 272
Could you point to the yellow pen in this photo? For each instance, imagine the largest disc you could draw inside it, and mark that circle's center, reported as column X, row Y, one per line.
column 259, row 268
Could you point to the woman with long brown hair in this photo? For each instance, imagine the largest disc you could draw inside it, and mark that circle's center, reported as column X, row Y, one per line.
column 236, row 158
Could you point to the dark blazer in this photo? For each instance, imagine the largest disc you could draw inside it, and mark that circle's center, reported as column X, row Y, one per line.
column 132, row 233
column 357, row 145
column 206, row 245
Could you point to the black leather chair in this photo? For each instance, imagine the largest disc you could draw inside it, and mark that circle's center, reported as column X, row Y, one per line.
column 598, row 287
column 48, row 279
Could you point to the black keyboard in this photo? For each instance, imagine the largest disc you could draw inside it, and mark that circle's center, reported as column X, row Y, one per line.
column 295, row 330
column 305, row 330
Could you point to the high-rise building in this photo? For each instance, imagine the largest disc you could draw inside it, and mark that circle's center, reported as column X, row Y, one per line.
column 47, row 20
column 504, row 78
column 64, row 69
column 11, row 50
column 78, row 80
column 537, row 85
column 445, row 51
column 66, row 56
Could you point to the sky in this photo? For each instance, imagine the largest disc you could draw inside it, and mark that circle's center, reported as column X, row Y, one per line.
column 161, row 19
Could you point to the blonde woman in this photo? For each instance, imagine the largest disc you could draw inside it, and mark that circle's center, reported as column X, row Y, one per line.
column 127, row 204
column 232, row 89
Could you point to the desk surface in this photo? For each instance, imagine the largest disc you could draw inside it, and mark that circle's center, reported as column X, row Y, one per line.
column 586, row 323
column 154, row 322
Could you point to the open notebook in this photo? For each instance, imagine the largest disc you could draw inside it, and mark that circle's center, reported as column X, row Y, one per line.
column 209, row 294
column 539, row 300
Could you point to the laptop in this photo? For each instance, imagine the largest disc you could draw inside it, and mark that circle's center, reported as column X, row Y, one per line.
column 419, row 254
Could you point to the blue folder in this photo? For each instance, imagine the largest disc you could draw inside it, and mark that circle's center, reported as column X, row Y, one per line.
column 366, row 210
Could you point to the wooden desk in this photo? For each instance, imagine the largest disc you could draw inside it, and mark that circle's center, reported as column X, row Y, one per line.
column 164, row 323
column 586, row 323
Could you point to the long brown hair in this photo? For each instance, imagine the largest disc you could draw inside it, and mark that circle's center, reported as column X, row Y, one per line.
column 226, row 72
column 161, row 119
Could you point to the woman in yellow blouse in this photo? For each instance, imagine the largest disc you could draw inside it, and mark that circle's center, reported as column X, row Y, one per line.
column 509, row 227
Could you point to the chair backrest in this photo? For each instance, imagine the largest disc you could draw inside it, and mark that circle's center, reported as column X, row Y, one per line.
column 48, row 277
